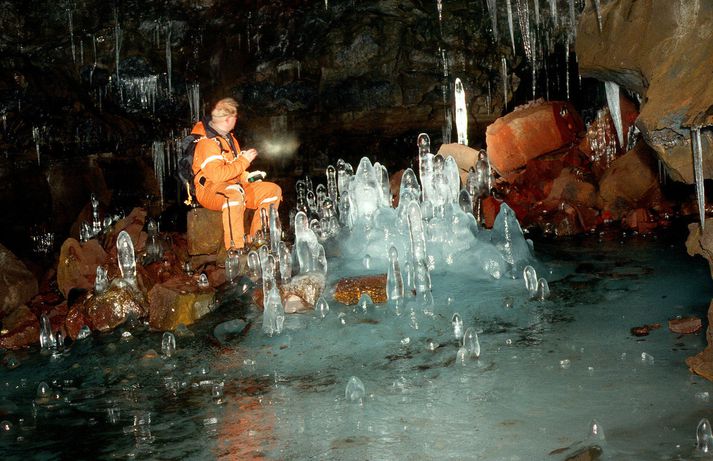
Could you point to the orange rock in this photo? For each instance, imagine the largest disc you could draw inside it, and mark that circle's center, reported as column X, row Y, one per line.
column 685, row 325
column 78, row 263
column 530, row 132
column 348, row 290
column 21, row 328
column 178, row 300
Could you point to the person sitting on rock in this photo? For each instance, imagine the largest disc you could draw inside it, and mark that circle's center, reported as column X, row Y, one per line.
column 221, row 176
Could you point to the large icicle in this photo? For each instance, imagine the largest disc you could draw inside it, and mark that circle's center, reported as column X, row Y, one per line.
column 510, row 26
column 493, row 10
column 612, row 90
column 169, row 67
column 698, row 172
column 505, row 82
column 71, row 35
column 461, row 113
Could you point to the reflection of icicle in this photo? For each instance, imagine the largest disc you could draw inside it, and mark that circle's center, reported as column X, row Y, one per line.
column 698, row 172
column 612, row 91
column 510, row 26
column 598, row 8
column 493, row 10
column 505, row 82
column 168, row 57
column 461, row 113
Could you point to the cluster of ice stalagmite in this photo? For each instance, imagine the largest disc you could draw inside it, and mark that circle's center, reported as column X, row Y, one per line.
column 432, row 228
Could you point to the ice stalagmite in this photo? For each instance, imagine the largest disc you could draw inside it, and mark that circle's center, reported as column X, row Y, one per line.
column 704, row 437
column 698, row 172
column 461, row 113
column 510, row 26
column 612, row 90
column 274, row 313
column 126, row 257
column 394, row 279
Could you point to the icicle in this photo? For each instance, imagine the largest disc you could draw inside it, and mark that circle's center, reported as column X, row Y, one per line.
column 612, row 91
column 566, row 65
column 194, row 101
column 326, row 4
column 126, row 257
column 505, row 82
column 461, row 113
column 117, row 48
column 439, row 7
column 510, row 26
column 71, row 35
column 36, row 138
column 553, row 12
column 598, row 8
column 572, row 22
column 698, row 172
column 537, row 12
column 168, row 57
column 159, row 164
column 493, row 10
column 523, row 16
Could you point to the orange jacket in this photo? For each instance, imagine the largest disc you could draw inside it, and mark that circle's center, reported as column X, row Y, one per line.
column 214, row 159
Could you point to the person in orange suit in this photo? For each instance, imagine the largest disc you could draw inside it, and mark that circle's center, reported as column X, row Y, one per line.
column 221, row 175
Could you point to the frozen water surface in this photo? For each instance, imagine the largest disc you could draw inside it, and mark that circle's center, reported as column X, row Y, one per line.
column 552, row 376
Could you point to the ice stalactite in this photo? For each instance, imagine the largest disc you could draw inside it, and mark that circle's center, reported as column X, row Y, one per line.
column 537, row 12
column 698, row 172
column 36, row 139
column 566, row 65
column 572, row 21
column 493, row 11
column 510, row 25
column 117, row 49
column 143, row 90
column 194, row 101
column 461, row 113
column 505, row 82
column 71, row 35
column 612, row 91
column 168, row 58
column 158, row 149
column 447, row 117
column 553, row 12
column 439, row 7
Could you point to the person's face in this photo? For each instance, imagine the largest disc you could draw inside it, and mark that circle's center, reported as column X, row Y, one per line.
column 231, row 120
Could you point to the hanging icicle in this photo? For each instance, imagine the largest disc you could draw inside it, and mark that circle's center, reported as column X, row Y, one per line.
column 168, row 58
column 612, row 91
column 461, row 113
column 505, row 82
column 71, row 35
column 510, row 26
column 698, row 172
column 493, row 10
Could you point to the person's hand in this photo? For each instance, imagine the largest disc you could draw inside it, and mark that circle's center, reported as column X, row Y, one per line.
column 250, row 154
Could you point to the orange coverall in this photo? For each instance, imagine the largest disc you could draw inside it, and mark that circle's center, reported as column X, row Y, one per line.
column 219, row 169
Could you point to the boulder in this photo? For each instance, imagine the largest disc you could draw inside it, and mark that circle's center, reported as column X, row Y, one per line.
column 465, row 157
column 529, row 132
column 662, row 52
column 77, row 266
column 205, row 231
column 685, row 325
column 133, row 224
column 178, row 301
column 631, row 182
column 21, row 328
column 17, row 284
column 700, row 242
column 572, row 188
column 702, row 363
column 348, row 290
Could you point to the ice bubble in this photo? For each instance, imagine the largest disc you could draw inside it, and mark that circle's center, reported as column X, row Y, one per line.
column 321, row 307
column 43, row 392
column 704, row 438
column 471, row 343
column 168, row 344
column 5, row 426
column 355, row 391
column 457, row 323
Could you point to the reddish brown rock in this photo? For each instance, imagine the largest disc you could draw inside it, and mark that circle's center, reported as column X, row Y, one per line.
column 395, row 187
column 700, row 242
column 491, row 208
column 702, row 363
column 639, row 220
column 21, row 328
column 110, row 309
column 572, row 188
column 77, row 266
column 529, row 132
column 685, row 325
column 205, row 231
column 348, row 290
column 630, row 182
column 17, row 284
column 178, row 301
column 465, row 157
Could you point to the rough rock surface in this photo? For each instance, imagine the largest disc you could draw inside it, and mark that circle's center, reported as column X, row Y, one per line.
column 77, row 266
column 205, row 231
column 302, row 292
column 348, row 290
column 21, row 328
column 702, row 363
column 700, row 242
column 178, row 301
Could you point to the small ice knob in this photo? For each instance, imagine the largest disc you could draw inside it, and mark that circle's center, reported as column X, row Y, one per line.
column 321, row 307
column 457, row 326
column 355, row 390
column 704, row 437
column 471, row 343
column 168, row 344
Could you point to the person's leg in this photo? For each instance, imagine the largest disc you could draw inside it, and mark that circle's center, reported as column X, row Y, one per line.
column 229, row 199
column 260, row 195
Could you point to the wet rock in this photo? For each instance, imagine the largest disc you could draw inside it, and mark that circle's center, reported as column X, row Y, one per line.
column 205, row 231
column 77, row 266
column 133, row 224
column 572, row 188
column 702, row 363
column 529, row 132
column 17, row 284
column 20, row 328
column 178, row 301
column 631, row 182
column 685, row 325
column 639, row 220
column 106, row 311
column 348, row 290
column 302, row 292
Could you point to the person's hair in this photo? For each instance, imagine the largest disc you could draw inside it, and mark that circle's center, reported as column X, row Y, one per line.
column 224, row 108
